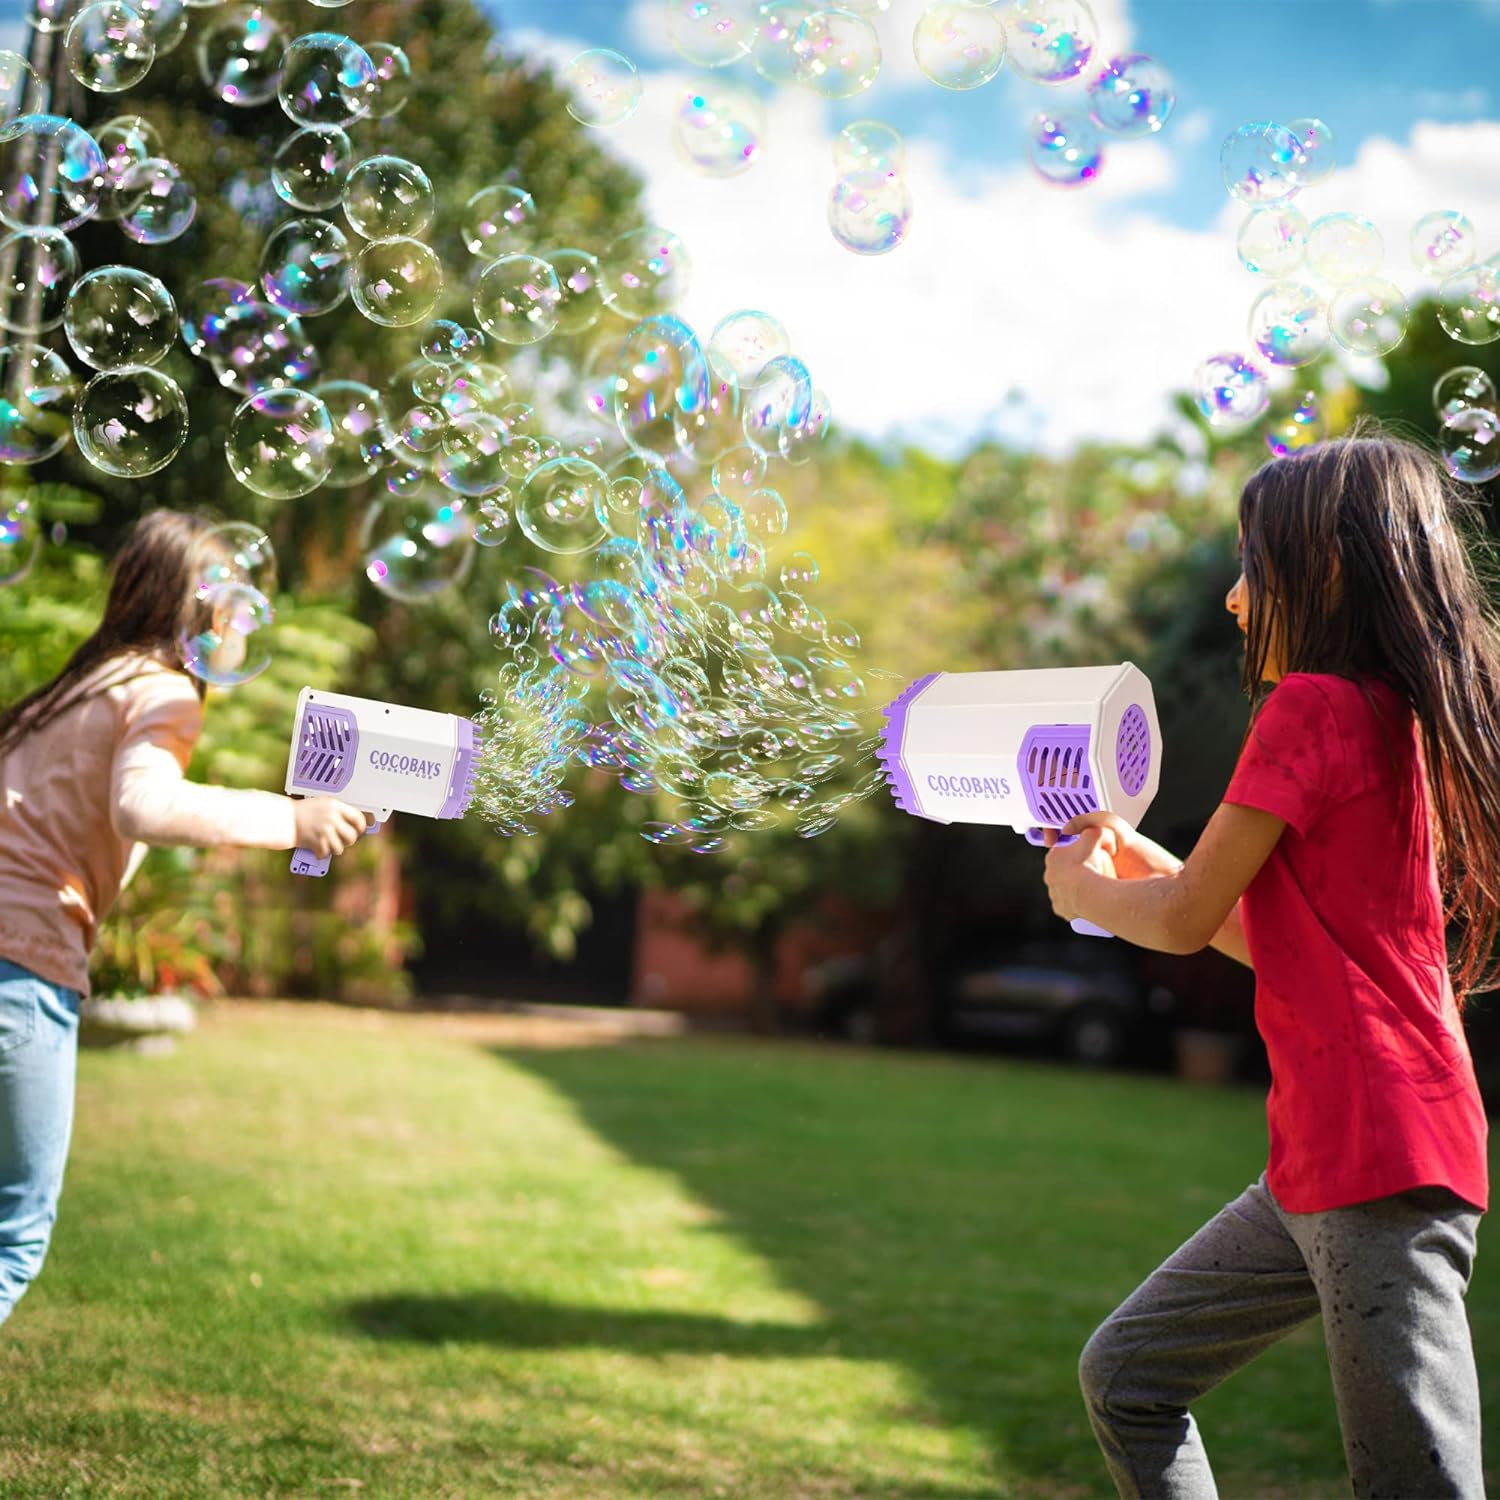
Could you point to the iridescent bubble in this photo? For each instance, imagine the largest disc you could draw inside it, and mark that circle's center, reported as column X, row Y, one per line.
column 131, row 422
column 739, row 472
column 388, row 197
column 745, row 342
column 799, row 440
column 799, row 571
column 360, row 426
column 471, row 459
column 42, row 266
column 417, row 545
column 959, row 45
column 226, row 642
column 1261, row 163
column 773, row 54
column 764, row 514
column 663, row 375
column 444, row 342
column 1300, row 427
column 870, row 212
column 604, row 88
column 239, row 55
column 1459, row 389
column 1289, row 324
column 869, row 146
column 1273, row 241
column 1230, row 391
column 325, row 79
column 1369, row 316
column 714, row 425
column 390, row 85
column 252, row 345
column 396, row 282
column 1470, row 444
column 581, row 289
column 162, row 201
column 20, row 88
column 780, row 397
column 280, row 443
column 167, row 20
column 1051, row 41
column 118, row 316
column 126, row 141
column 718, row 129
column 234, row 552
column 51, row 173
column 1343, row 248
column 1132, row 96
column 1316, row 155
column 305, row 267
column 1064, row 148
column 497, row 220
column 492, row 523
column 557, row 506
column 1468, row 304
column 1443, row 242
column 838, row 53
column 710, row 33
column 646, row 272
column 20, row 538
column 517, row 299
column 310, row 167
column 37, row 396
column 109, row 47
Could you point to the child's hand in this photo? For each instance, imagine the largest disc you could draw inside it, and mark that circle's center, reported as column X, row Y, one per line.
column 1135, row 856
column 1094, row 850
column 327, row 826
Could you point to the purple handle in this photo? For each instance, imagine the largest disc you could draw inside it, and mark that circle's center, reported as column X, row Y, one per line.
column 305, row 862
column 1088, row 929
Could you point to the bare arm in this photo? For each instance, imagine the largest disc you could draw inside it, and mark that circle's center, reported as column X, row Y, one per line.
column 1230, row 938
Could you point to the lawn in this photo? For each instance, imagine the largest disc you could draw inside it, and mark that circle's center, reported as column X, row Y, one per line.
column 320, row 1252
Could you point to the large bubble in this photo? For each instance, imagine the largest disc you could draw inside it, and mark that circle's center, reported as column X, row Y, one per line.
column 517, row 299
column 1297, row 426
column 1468, row 303
column 20, row 88
column 127, row 141
column 869, row 146
column 773, row 53
column 580, row 283
column 1131, row 96
column 396, row 282
column 1260, row 163
column 1064, row 148
column 51, row 173
column 305, row 267
column 1344, row 247
column 1316, row 152
column 43, row 266
column 745, row 342
column 1458, row 389
column 1231, row 392
column 497, row 221
column 417, row 545
column 838, row 53
column 662, row 373
column 388, row 197
column 718, row 129
column 1470, row 445
column 131, row 422
column 280, row 443
column 958, row 45
column 326, row 79
column 360, row 429
column 604, row 88
column 227, row 645
column 118, row 316
column 710, row 33
column 1442, row 243
column 1051, row 41
column 1369, row 316
column 870, row 212
column 1289, row 323
column 311, row 166
column 37, row 396
column 646, row 272
column 1273, row 241
column 239, row 55
column 109, row 47
column 161, row 201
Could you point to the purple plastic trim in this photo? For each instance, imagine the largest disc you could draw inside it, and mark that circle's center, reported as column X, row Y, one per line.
column 461, row 787
column 1054, row 768
column 893, row 740
column 1133, row 750
column 327, row 747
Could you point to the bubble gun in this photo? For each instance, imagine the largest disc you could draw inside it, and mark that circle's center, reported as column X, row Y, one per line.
column 381, row 758
column 1031, row 749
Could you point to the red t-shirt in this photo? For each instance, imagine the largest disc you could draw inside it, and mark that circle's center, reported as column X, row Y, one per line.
column 1372, row 1089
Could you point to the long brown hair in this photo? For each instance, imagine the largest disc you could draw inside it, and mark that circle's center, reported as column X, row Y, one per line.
column 152, row 598
column 1411, row 607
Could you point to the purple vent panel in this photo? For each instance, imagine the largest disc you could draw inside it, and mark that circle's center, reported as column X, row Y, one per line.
column 1133, row 750
column 327, row 742
column 1054, row 769
column 892, row 741
column 461, row 785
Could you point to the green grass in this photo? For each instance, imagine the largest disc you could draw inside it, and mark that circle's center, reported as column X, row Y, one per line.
column 323, row 1253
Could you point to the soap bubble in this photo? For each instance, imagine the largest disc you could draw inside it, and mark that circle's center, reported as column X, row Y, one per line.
column 799, row 440
column 1065, row 148
column 1289, row 323
column 717, row 130
column 1260, row 164
column 557, row 506
column 396, row 282
column 497, row 220
column 162, row 201
column 239, row 56
column 20, row 538
column 118, row 316
column 1470, row 445
column 1442, row 243
column 390, row 84
column 311, row 166
column 226, row 645
column 773, row 52
column 780, row 397
column 126, row 141
column 20, row 88
column 799, row 571
column 51, row 173
column 1132, row 96
column 42, row 268
column 1459, row 389
column 325, row 79
column 304, row 266
column 492, row 524
column 250, row 344
column 1273, row 241
column 605, row 87
column 1343, row 248
column 958, row 45
column 167, row 20
column 745, row 342
column 444, row 342
column 109, row 47
column 738, row 473
column 517, row 299
column 1468, row 304
column 361, row 431
column 646, row 272
column 869, row 146
column 580, row 289
column 37, row 396
column 1230, row 391
column 387, row 198
column 710, row 33
column 131, row 422
column 662, row 373
column 417, row 545
column 280, row 443
column 838, row 53
column 1369, row 316
column 870, row 212
column 714, row 425
column 1316, row 156
column 1051, row 41
column 234, row 552
column 1298, row 428
column 471, row 457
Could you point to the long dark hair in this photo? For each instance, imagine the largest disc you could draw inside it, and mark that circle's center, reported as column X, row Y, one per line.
column 1411, row 607
column 152, row 597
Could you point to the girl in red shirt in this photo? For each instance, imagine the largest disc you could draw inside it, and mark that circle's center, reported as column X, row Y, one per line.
column 1362, row 815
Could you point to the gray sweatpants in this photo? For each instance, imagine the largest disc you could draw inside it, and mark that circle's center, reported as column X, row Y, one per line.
column 1389, row 1278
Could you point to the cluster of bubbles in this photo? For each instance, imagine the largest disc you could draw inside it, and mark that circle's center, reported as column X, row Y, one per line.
column 718, row 125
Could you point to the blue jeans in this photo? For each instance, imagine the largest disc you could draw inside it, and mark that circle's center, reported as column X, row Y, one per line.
column 38, row 1061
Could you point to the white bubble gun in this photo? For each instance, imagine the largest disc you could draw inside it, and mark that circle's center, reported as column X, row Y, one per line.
column 1031, row 749
column 381, row 758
